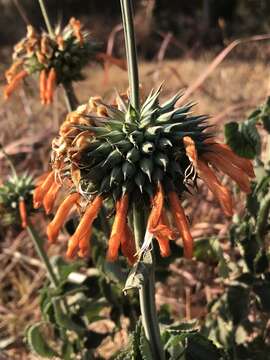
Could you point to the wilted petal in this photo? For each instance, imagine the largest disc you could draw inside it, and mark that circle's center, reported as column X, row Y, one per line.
column 181, row 223
column 214, row 185
column 228, row 168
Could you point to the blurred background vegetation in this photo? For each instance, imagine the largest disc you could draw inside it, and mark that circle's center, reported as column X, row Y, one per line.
column 196, row 23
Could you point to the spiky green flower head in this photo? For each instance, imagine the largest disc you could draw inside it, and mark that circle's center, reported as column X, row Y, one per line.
column 57, row 58
column 129, row 151
column 67, row 52
column 12, row 191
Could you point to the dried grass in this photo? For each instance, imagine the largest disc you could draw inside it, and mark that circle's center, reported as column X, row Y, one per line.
column 27, row 129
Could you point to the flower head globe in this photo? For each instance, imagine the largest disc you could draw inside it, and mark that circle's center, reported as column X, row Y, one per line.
column 151, row 157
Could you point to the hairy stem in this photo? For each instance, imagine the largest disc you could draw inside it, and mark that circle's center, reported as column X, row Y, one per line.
column 131, row 52
column 147, row 291
column 46, row 17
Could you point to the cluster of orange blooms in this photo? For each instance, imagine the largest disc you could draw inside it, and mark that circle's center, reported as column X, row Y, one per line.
column 36, row 54
column 70, row 146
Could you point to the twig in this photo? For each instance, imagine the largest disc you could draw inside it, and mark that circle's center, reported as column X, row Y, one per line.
column 217, row 60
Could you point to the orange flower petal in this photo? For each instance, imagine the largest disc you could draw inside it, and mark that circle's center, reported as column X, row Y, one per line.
column 84, row 244
column 80, row 238
column 214, row 185
column 157, row 206
column 128, row 245
column 181, row 224
column 226, row 166
column 51, row 82
column 225, row 151
column 60, row 217
column 43, row 86
column 190, row 149
column 49, row 198
column 23, row 213
column 163, row 234
column 118, row 228
column 40, row 179
column 9, row 89
column 42, row 189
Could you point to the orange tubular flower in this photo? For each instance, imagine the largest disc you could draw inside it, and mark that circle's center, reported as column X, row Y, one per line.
column 9, row 89
column 190, row 149
column 81, row 237
column 50, row 197
column 224, row 151
column 158, row 224
column 155, row 214
column 164, row 234
column 11, row 72
column 118, row 228
column 128, row 245
column 215, row 186
column 61, row 215
column 43, row 86
column 181, row 224
column 51, row 82
column 42, row 190
column 23, row 213
column 234, row 172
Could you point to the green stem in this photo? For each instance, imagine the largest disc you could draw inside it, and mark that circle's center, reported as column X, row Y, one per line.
column 131, row 52
column 70, row 97
column 42, row 254
column 147, row 292
column 46, row 18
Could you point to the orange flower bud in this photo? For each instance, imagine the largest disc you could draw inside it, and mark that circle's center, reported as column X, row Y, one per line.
column 43, row 86
column 23, row 212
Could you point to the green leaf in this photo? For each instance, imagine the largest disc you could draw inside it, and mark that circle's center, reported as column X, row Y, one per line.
column 243, row 139
column 37, row 342
column 238, row 302
column 64, row 268
column 65, row 321
column 201, row 348
column 145, row 349
column 262, row 290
